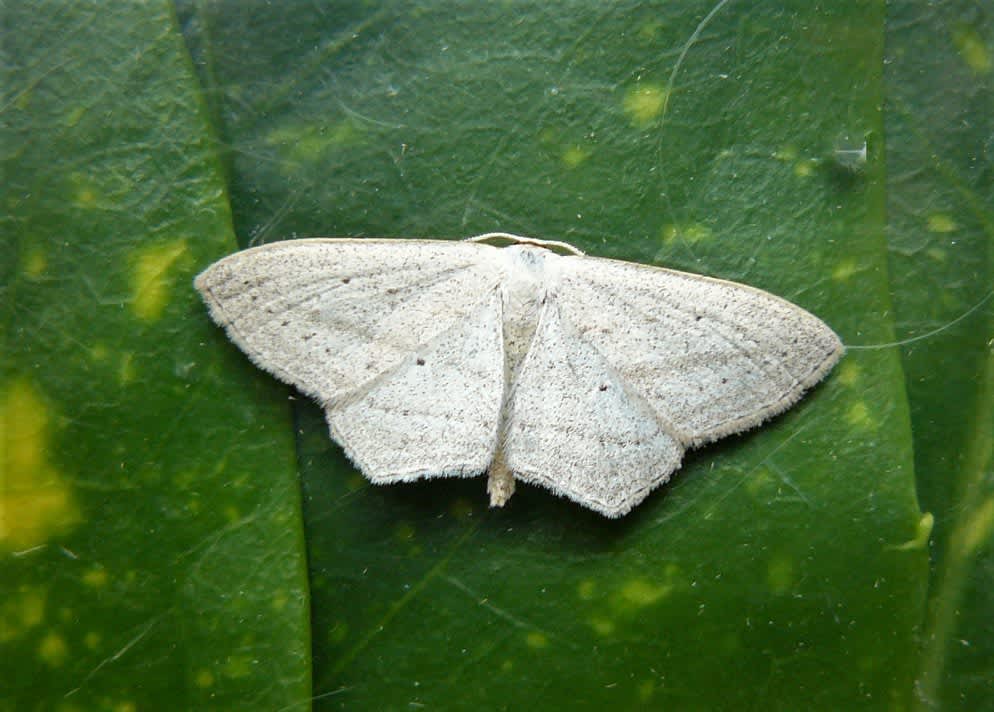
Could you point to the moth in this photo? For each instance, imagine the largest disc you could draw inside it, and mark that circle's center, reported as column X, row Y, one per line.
column 532, row 361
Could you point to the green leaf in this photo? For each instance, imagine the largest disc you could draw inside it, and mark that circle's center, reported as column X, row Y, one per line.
column 940, row 77
column 783, row 567
column 151, row 549
column 150, row 542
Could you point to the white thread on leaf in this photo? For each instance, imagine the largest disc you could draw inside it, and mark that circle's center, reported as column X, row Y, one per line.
column 587, row 376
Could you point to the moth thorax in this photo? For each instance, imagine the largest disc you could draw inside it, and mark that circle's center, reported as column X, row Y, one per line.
column 524, row 289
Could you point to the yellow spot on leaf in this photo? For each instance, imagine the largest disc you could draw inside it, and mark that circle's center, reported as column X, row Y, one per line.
column 859, row 416
column 151, row 277
column 238, row 666
column 640, row 593
column 20, row 612
column 972, row 49
column 849, row 373
column 310, row 142
column 35, row 263
column 574, row 156
column 53, row 649
column 602, row 626
column 536, row 640
column 506, row 666
column 691, row 233
column 787, row 154
column 934, row 253
column 780, row 573
column 586, row 589
column 759, row 482
column 646, row 690
column 35, row 501
column 95, row 577
column 940, row 222
column 803, row 169
column 643, row 103
column 650, row 30
column 979, row 527
column 92, row 640
column 844, row 270
column 280, row 599
column 126, row 706
column 203, row 678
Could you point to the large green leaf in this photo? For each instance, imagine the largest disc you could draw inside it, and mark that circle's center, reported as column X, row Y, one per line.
column 940, row 97
column 150, row 541
column 786, row 566
column 150, row 546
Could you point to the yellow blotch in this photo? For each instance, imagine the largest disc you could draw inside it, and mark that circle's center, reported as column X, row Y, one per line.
column 643, row 103
column 35, row 501
column 780, row 573
column 308, row 143
column 574, row 156
column 639, row 593
column 280, row 599
column 650, row 30
column 151, row 277
column 940, row 222
column 759, row 483
column 92, row 640
column 849, row 373
column 537, row 640
column 126, row 706
column 95, row 577
column 972, row 49
column 602, row 626
column 231, row 514
column 53, row 649
column 803, row 169
column 203, row 678
column 506, row 666
column 238, row 666
column 20, row 612
column 924, row 531
column 586, row 590
column 786, row 154
column 859, row 416
column 34, row 264
column 934, row 253
column 691, row 233
column 979, row 527
column 646, row 689
column 844, row 270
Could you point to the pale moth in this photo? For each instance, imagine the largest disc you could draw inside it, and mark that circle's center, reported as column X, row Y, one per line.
column 587, row 376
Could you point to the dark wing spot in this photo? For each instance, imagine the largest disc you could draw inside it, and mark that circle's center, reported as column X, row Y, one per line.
column 346, row 280
column 603, row 387
column 420, row 362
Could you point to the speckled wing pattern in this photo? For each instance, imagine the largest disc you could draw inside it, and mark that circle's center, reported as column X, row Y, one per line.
column 403, row 350
column 632, row 364
column 711, row 357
